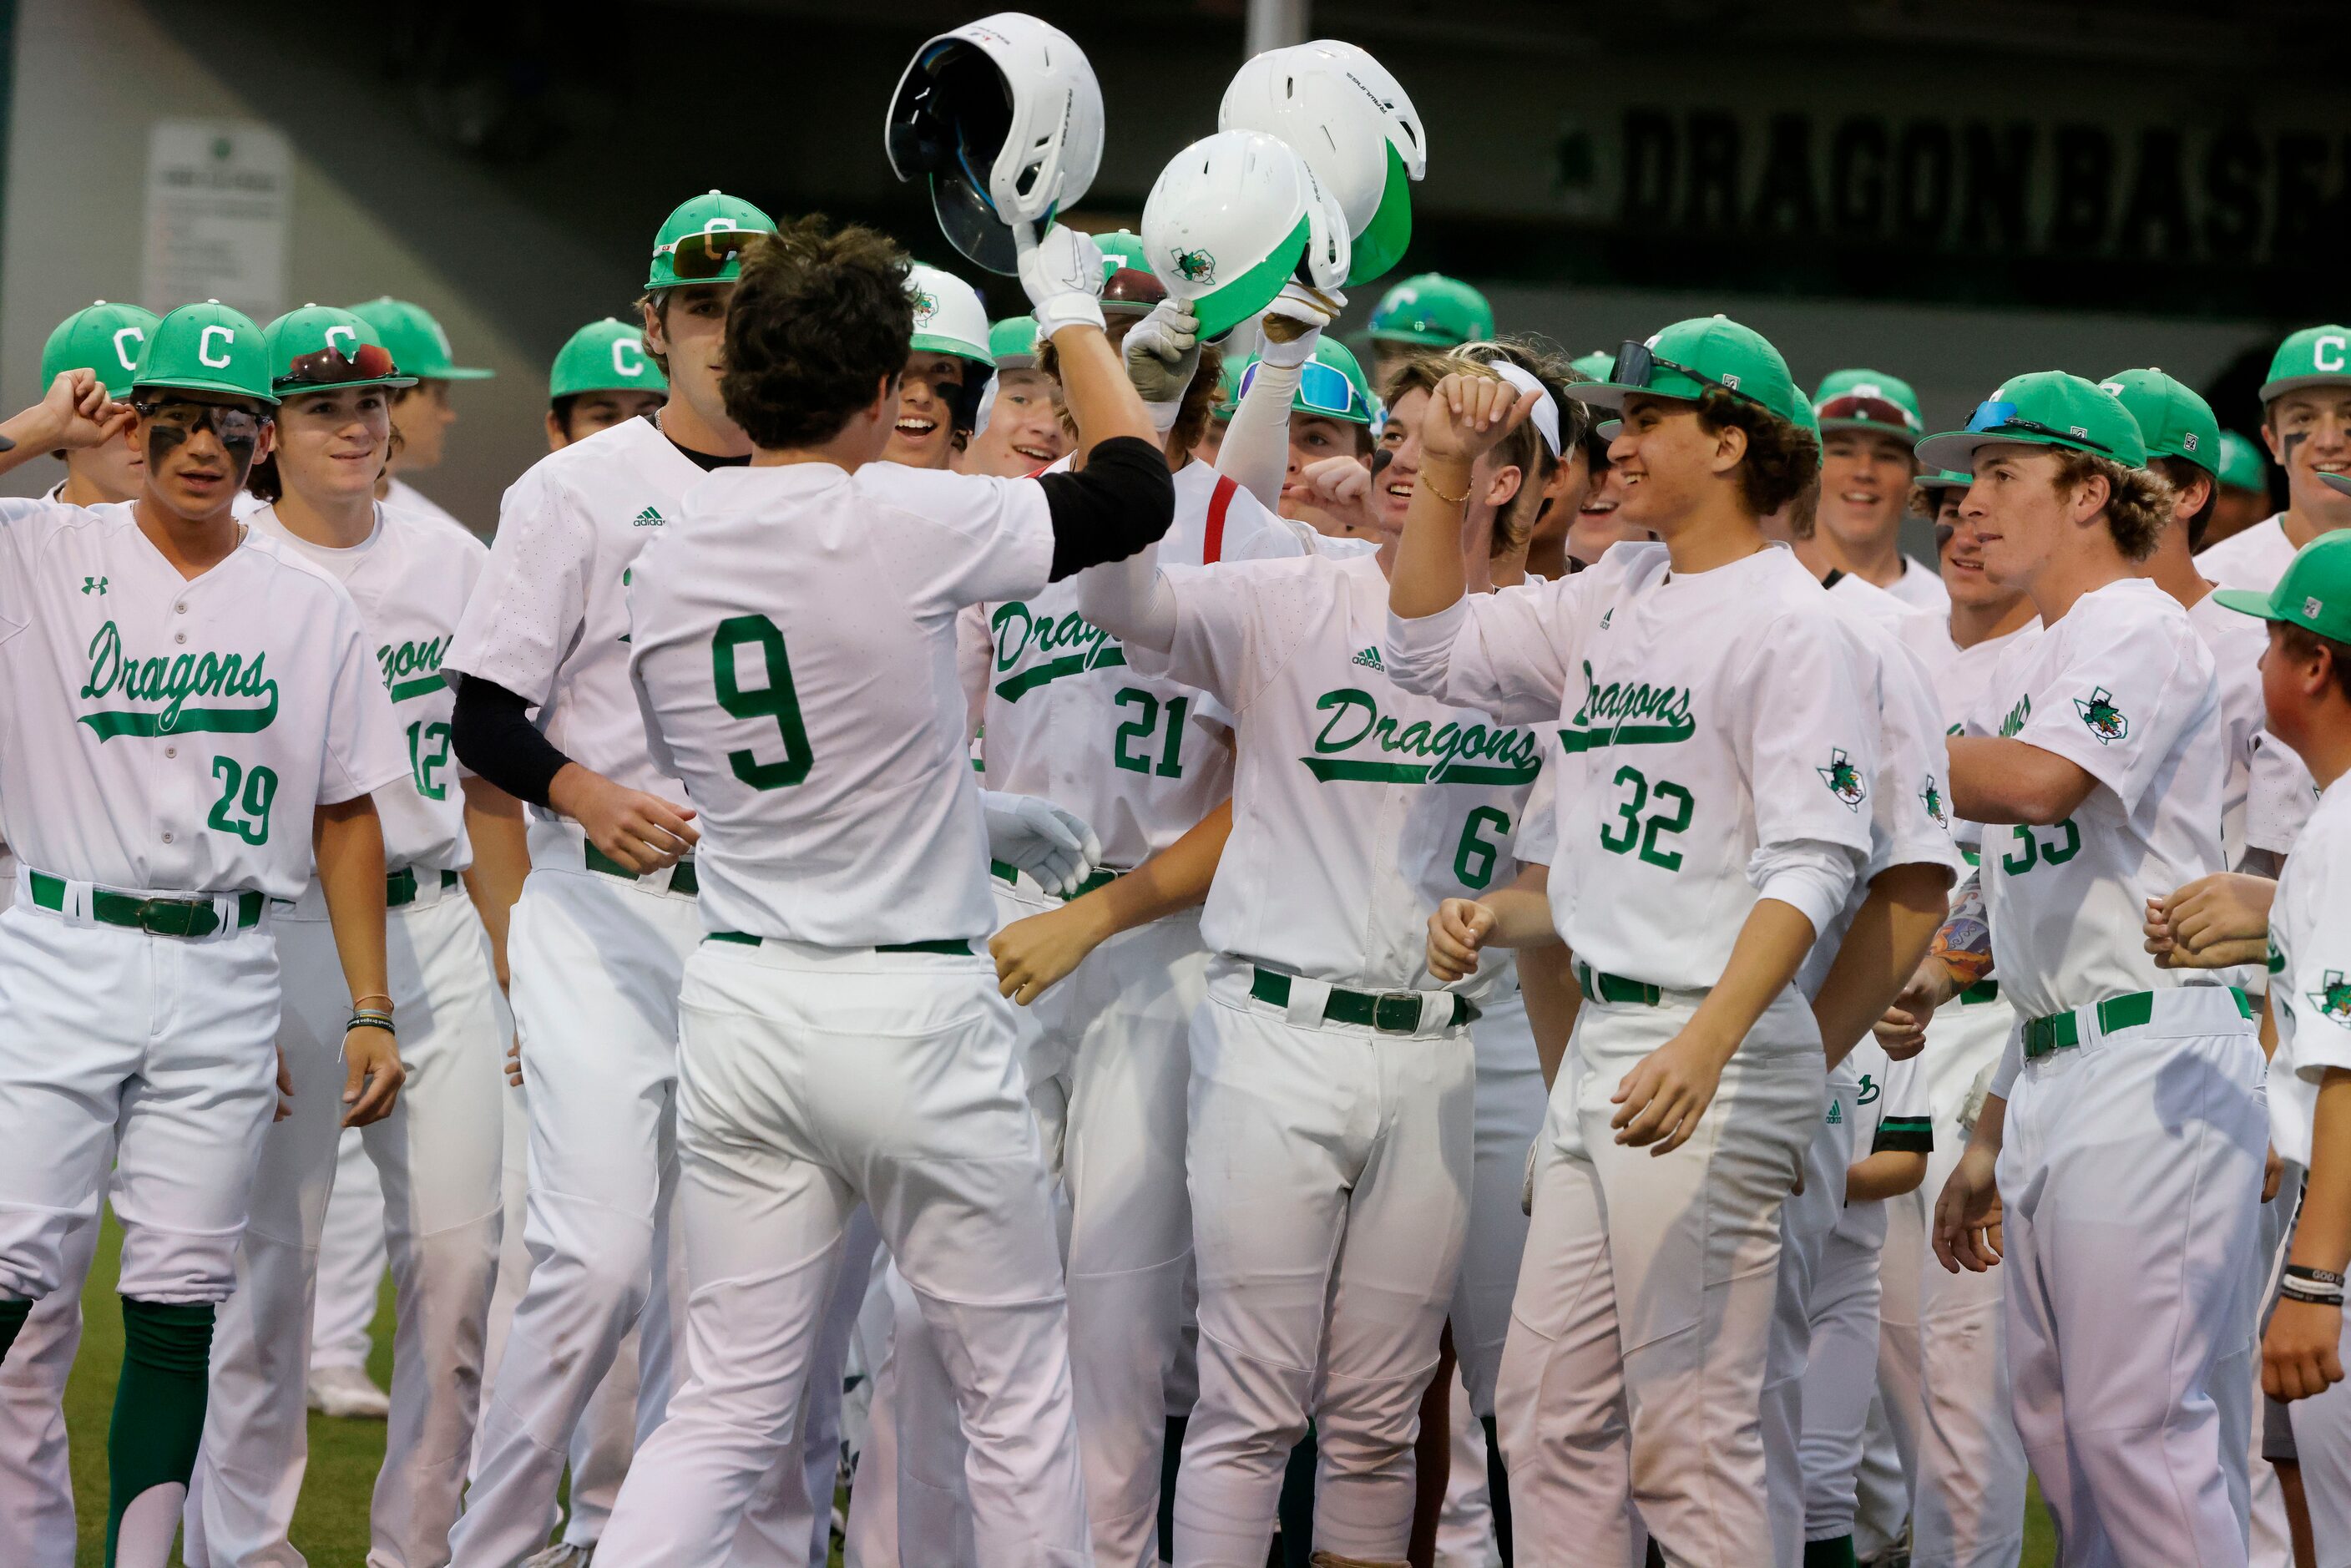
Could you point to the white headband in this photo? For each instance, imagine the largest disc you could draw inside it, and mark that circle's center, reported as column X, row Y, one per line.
column 1546, row 413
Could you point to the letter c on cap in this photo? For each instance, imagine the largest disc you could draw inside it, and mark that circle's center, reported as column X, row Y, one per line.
column 204, row 346
column 346, row 332
column 2327, row 353
column 122, row 350
column 628, row 358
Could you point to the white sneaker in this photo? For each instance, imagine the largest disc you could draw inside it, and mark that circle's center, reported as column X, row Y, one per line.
column 349, row 1394
column 564, row 1554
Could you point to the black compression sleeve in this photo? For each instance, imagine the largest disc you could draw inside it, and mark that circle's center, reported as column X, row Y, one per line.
column 495, row 738
column 1124, row 500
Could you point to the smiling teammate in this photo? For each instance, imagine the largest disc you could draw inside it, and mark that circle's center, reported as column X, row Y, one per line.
column 204, row 708
column 1019, row 430
column 1869, row 422
column 2306, row 422
column 602, row 377
column 422, row 414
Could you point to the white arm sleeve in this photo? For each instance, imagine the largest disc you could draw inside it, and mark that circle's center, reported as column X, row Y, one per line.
column 1256, row 450
column 1129, row 600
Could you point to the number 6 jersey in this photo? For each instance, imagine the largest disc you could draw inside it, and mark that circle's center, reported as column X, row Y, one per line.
column 792, row 644
column 161, row 733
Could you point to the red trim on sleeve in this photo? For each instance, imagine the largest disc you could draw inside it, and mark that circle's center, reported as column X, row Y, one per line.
column 1219, row 499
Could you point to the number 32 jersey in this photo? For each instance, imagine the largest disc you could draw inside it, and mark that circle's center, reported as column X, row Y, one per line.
column 793, row 646
column 159, row 733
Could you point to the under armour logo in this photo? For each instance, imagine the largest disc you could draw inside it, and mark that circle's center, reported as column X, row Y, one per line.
column 94, row 585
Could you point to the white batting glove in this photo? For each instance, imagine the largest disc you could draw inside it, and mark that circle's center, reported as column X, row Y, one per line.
column 1293, row 323
column 1051, row 844
column 1062, row 275
column 1163, row 352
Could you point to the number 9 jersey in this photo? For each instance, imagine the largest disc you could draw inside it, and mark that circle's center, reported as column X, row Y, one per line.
column 793, row 647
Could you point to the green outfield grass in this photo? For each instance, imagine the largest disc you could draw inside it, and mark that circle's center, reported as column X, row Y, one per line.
column 330, row 1523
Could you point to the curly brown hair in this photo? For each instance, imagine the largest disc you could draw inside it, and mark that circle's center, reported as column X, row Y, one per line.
column 817, row 329
column 1192, row 416
column 1783, row 460
column 2138, row 500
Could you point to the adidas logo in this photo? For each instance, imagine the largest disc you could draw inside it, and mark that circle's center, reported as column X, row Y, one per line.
column 1369, row 658
column 650, row 517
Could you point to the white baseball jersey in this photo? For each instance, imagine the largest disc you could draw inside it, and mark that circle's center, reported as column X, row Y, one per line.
column 795, row 655
column 1357, row 806
column 1694, row 771
column 163, row 734
column 2310, row 983
column 2237, row 643
column 550, row 619
column 1139, row 758
column 1889, row 1110
column 1920, row 586
column 2123, row 687
column 409, row 579
column 2254, row 559
column 401, row 496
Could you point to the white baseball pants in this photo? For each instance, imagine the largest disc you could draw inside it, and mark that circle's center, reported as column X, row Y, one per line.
column 1329, row 1168
column 438, row 1154
column 2131, row 1179
column 1840, row 1377
column 1632, row 1377
column 1510, row 1104
column 353, row 1257
column 152, row 1053
column 810, row 1079
column 1807, row 1221
column 37, row 1528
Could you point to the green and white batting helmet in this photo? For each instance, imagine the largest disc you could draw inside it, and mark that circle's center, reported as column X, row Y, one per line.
column 949, row 318
column 605, row 356
column 1231, row 219
column 1305, row 97
column 702, row 241
column 102, row 339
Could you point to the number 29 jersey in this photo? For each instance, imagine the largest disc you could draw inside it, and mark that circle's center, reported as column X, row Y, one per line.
column 793, row 649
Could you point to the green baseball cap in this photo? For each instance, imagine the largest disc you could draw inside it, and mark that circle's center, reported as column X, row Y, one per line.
column 1330, row 385
column 1013, row 341
column 702, row 241
column 1593, row 366
column 2314, row 357
column 320, row 349
column 1868, row 400
column 105, row 339
column 210, row 346
column 1229, row 391
column 2173, row 421
column 2243, row 466
column 605, row 356
column 419, row 346
column 1433, row 311
column 2314, row 594
column 1706, row 351
column 1943, row 479
column 1122, row 247
column 2044, row 408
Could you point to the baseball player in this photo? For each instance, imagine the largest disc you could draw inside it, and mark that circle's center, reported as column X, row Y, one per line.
column 1019, row 431
column 2309, row 705
column 1356, row 807
column 2244, row 491
column 947, row 372
column 1943, row 1365
column 2306, row 423
column 601, row 932
column 163, row 786
column 1869, row 422
column 838, row 920
column 1428, row 310
column 36, row 1509
column 423, row 414
column 2133, row 1176
column 439, row 1153
column 1689, row 899
column 602, row 377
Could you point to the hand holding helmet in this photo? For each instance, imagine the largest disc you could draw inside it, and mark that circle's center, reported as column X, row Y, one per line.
column 1163, row 352
column 1293, row 323
column 1062, row 276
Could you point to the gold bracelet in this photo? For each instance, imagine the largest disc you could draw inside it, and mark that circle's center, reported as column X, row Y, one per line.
column 373, row 996
column 1461, row 499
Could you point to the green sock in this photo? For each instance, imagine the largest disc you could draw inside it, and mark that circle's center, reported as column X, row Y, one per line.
column 1836, row 1551
column 13, row 1314
column 158, row 1407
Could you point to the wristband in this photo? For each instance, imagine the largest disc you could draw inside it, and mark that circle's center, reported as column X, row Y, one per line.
column 370, row 1021
column 2315, row 1276
column 2310, row 1295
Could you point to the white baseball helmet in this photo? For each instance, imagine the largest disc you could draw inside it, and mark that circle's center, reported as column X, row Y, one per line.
column 950, row 320
column 1005, row 118
column 1296, row 93
column 1374, row 80
column 1232, row 218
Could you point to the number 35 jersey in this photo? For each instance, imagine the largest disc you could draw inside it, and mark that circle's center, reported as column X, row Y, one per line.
column 1357, row 807
column 1140, row 757
column 2123, row 687
column 409, row 580
column 792, row 644
column 159, row 733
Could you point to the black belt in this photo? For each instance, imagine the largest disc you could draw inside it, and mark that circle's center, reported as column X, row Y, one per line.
column 955, row 947
column 1390, row 1012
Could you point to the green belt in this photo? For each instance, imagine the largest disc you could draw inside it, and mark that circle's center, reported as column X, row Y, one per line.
column 2062, row 1032
column 1981, row 991
column 399, row 887
column 1598, row 986
column 682, row 878
column 188, row 917
column 1005, row 872
column 955, row 947
column 1390, row 1012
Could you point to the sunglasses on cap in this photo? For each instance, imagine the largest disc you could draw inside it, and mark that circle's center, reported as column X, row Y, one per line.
column 1637, row 362
column 1321, row 391
column 1873, row 410
column 1998, row 417
column 697, row 256
column 329, row 367
column 188, row 416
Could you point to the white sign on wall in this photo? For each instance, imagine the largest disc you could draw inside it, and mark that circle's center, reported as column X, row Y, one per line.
column 219, row 199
